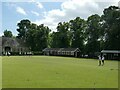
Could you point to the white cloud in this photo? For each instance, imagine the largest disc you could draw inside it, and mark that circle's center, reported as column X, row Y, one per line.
column 71, row 9
column 53, row 0
column 35, row 13
column 39, row 5
column 21, row 11
column 31, row 0
column 119, row 4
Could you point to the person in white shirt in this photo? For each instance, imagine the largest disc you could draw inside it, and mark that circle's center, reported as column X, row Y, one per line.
column 100, row 62
column 8, row 53
column 103, row 58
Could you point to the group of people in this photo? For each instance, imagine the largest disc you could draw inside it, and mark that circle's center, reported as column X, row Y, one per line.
column 7, row 53
column 101, row 60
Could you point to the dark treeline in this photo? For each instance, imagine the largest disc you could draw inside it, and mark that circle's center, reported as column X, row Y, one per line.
column 91, row 35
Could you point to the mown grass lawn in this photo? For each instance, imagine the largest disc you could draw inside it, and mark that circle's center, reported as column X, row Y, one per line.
column 57, row 72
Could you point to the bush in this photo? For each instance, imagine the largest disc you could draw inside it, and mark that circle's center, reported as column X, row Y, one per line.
column 14, row 53
column 37, row 53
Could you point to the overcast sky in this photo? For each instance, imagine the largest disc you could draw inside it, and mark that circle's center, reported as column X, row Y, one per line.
column 48, row 12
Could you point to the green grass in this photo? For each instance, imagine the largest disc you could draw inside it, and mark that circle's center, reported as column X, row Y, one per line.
column 57, row 72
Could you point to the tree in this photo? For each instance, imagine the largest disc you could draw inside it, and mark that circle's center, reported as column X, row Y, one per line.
column 8, row 33
column 54, row 40
column 93, row 34
column 61, row 38
column 36, row 37
column 111, row 25
column 30, row 36
column 77, row 28
column 41, row 37
column 23, row 27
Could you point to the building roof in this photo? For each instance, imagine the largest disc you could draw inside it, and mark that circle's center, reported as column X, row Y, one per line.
column 51, row 49
column 62, row 49
column 13, row 42
column 69, row 49
column 110, row 51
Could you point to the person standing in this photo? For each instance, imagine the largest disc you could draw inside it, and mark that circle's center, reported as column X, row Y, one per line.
column 99, row 57
column 103, row 58
column 8, row 53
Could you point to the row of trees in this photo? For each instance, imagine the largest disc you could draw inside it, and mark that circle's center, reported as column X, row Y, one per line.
column 91, row 35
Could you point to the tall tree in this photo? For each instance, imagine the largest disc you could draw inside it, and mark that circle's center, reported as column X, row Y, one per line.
column 8, row 33
column 77, row 28
column 23, row 27
column 93, row 34
column 30, row 34
column 61, row 38
column 111, row 26
column 54, row 40
column 41, row 37
column 36, row 37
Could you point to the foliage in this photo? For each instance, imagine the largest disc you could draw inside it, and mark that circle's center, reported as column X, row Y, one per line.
column 8, row 33
column 111, row 25
column 61, row 38
column 77, row 28
column 23, row 27
column 36, row 37
column 91, row 35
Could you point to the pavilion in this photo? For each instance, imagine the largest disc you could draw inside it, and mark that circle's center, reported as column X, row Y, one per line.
column 75, row 52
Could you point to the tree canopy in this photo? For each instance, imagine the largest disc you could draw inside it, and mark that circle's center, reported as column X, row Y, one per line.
column 111, row 25
column 36, row 37
column 91, row 35
column 7, row 33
